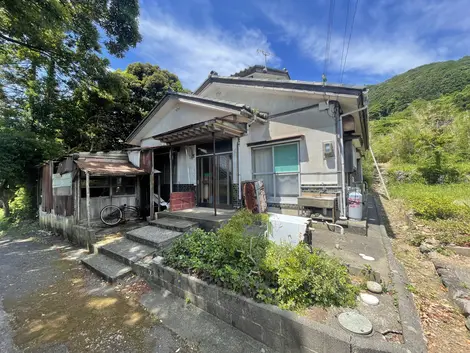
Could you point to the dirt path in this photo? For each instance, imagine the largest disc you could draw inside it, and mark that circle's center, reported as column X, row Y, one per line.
column 442, row 323
column 52, row 304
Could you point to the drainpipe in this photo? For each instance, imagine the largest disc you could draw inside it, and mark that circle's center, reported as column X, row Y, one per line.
column 239, row 174
column 343, row 173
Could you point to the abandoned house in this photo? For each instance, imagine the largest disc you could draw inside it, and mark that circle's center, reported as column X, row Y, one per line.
column 304, row 140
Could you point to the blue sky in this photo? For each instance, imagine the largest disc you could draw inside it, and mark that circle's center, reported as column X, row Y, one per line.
column 192, row 37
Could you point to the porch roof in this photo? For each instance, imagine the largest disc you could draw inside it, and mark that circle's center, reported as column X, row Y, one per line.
column 202, row 132
column 107, row 168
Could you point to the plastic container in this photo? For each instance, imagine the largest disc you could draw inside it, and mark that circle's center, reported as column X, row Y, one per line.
column 355, row 205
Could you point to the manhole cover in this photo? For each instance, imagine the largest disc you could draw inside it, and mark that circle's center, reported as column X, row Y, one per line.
column 355, row 323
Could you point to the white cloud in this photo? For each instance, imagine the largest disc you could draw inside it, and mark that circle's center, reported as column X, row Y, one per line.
column 192, row 52
column 388, row 38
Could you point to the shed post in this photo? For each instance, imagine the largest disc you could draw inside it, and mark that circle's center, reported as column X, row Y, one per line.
column 214, row 188
column 171, row 171
column 159, row 183
column 87, row 181
column 152, row 185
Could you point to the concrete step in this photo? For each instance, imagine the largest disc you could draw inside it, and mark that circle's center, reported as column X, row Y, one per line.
column 126, row 251
column 156, row 237
column 179, row 225
column 111, row 270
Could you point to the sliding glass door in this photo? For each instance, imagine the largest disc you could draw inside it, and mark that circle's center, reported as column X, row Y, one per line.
column 222, row 180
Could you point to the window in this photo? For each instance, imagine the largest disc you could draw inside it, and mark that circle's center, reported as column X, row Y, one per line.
column 278, row 167
column 99, row 186
column 123, row 186
column 102, row 186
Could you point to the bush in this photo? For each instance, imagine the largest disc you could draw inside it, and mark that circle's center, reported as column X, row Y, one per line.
column 307, row 278
column 21, row 206
column 241, row 258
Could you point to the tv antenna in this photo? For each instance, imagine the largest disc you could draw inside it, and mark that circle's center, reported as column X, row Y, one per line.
column 265, row 54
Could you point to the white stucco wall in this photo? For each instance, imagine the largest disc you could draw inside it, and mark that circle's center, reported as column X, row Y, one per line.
column 316, row 126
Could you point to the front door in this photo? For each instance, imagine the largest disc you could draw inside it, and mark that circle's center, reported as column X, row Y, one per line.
column 222, row 180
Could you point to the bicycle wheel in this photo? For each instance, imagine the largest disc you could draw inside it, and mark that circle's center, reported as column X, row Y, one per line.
column 111, row 215
column 131, row 213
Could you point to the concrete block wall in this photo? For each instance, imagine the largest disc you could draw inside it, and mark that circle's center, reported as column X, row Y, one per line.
column 282, row 330
column 182, row 200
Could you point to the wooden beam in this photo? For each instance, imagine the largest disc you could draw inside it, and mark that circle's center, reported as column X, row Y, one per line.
column 88, row 211
column 152, row 185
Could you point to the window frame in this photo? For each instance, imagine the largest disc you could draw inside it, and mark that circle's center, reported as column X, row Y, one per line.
column 273, row 174
column 109, row 184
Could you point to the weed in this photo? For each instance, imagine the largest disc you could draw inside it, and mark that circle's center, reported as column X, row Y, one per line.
column 411, row 288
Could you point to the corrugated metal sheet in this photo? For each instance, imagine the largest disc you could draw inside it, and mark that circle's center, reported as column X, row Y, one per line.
column 63, row 205
column 146, row 160
column 134, row 158
column 95, row 167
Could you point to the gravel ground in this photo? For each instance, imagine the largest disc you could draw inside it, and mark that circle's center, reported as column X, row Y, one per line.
column 50, row 303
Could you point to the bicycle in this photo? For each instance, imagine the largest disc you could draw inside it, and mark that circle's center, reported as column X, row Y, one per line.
column 112, row 215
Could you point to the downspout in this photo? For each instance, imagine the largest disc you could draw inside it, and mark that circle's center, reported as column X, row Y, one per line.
column 343, row 173
column 239, row 174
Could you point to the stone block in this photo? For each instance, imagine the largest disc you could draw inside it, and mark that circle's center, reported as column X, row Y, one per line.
column 320, row 337
column 230, row 301
column 249, row 327
column 262, row 314
column 170, row 275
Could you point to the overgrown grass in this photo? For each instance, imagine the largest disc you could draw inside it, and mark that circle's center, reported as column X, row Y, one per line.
column 444, row 208
column 240, row 257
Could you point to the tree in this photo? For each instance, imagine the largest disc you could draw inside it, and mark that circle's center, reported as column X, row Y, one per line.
column 102, row 119
column 21, row 153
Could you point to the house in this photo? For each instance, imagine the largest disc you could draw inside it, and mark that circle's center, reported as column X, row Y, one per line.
column 305, row 140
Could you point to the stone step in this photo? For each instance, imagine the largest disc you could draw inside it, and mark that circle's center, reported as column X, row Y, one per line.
column 155, row 237
column 179, row 225
column 111, row 270
column 126, row 251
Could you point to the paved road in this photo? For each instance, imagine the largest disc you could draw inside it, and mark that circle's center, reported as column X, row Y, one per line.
column 49, row 303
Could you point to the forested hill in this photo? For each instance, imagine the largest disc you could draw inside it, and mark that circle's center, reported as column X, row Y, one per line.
column 425, row 82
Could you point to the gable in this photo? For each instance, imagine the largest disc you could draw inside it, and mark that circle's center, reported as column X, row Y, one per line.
column 176, row 114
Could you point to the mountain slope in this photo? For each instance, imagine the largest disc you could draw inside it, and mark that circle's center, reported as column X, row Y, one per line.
column 424, row 82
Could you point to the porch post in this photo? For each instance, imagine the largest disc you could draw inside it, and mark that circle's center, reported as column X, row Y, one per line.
column 152, row 185
column 159, row 183
column 87, row 181
column 214, row 188
column 171, row 171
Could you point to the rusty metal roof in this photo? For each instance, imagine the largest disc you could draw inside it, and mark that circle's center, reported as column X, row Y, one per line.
column 100, row 167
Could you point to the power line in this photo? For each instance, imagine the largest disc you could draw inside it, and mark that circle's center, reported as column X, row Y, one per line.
column 345, row 32
column 349, row 40
column 329, row 28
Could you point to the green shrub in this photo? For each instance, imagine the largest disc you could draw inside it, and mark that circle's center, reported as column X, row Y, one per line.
column 21, row 206
column 306, row 278
column 240, row 257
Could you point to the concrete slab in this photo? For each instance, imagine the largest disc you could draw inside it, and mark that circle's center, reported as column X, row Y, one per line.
column 156, row 237
column 348, row 247
column 202, row 215
column 126, row 251
column 111, row 270
column 179, row 225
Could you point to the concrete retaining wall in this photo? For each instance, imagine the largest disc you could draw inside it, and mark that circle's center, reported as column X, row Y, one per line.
column 65, row 226
column 279, row 329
